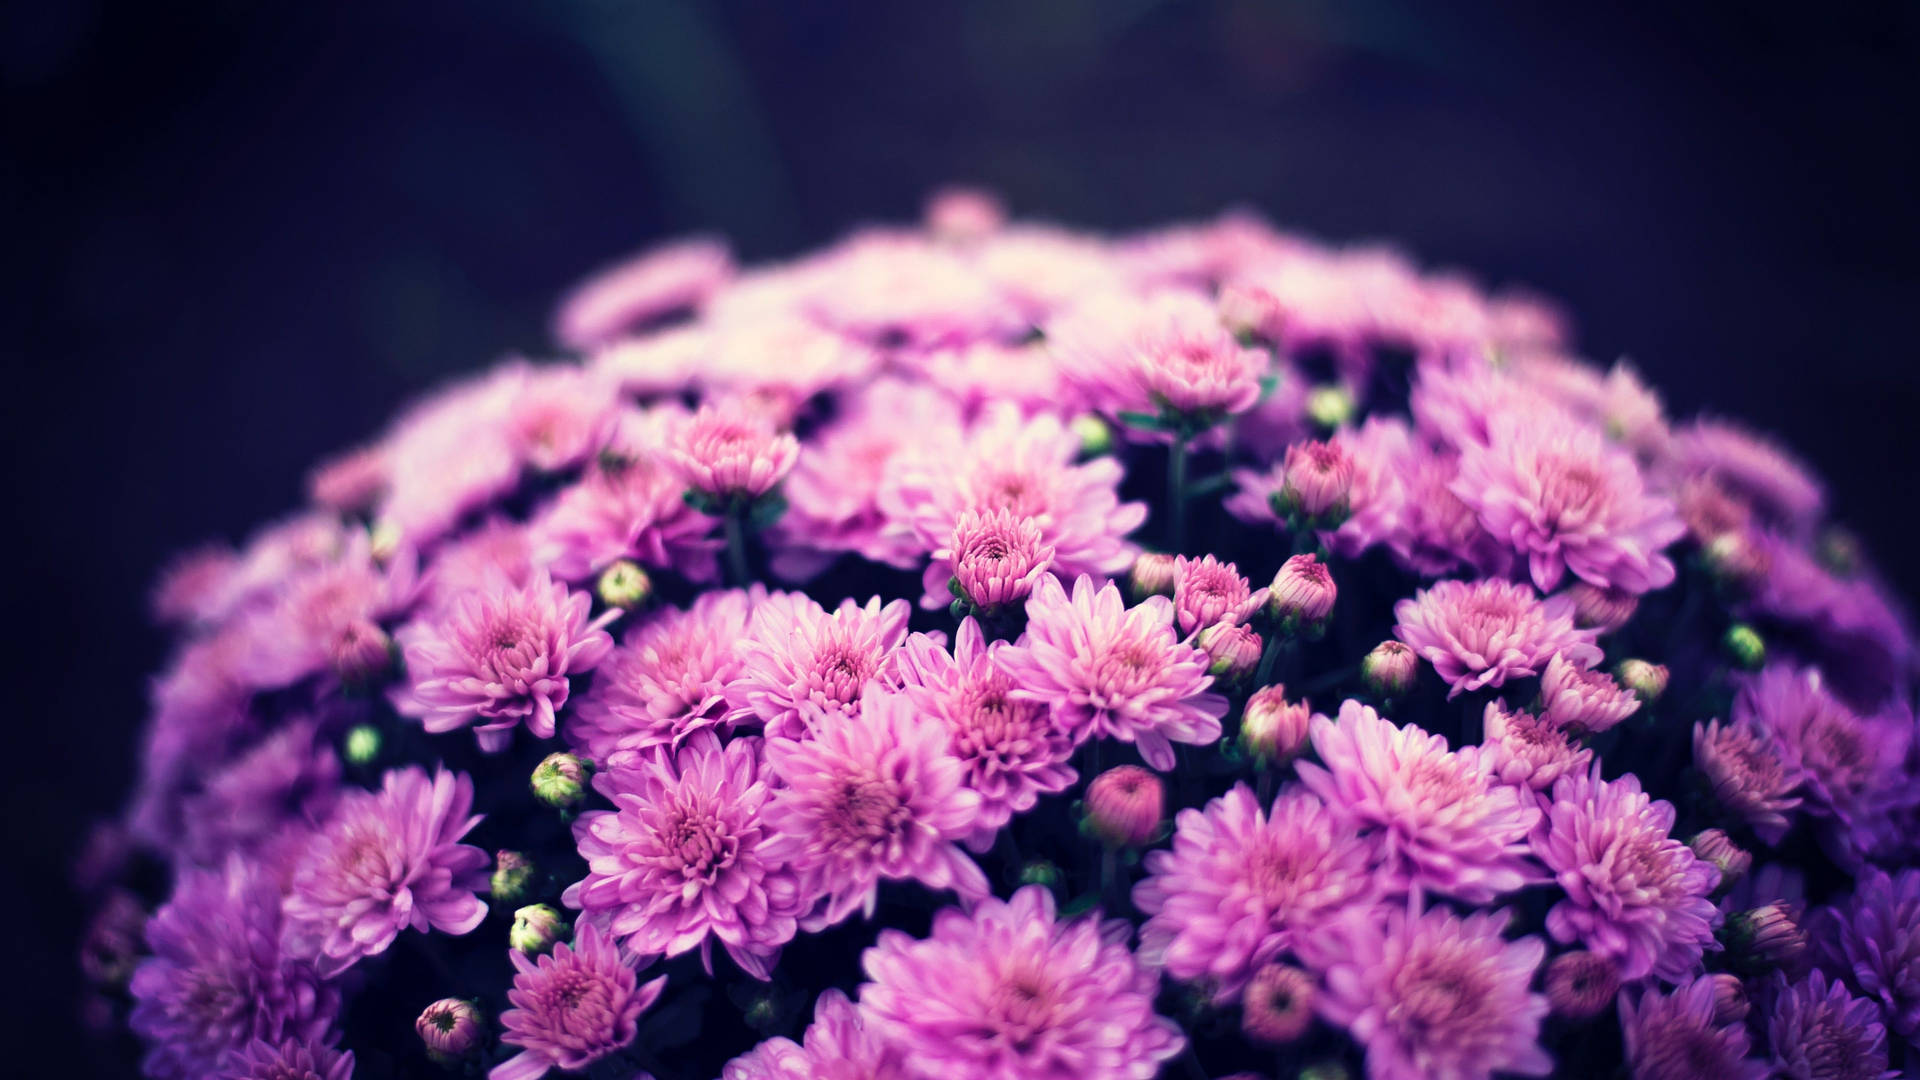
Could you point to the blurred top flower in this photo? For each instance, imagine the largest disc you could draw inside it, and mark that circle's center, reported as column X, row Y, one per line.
column 1678, row 1036
column 1483, row 633
column 1110, row 671
column 730, row 451
column 1872, row 940
column 1844, row 759
column 1167, row 356
column 627, row 505
column 1768, row 477
column 289, row 1059
column 1818, row 1031
column 657, row 282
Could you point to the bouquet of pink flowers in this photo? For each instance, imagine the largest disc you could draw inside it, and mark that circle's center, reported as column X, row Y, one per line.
column 988, row 651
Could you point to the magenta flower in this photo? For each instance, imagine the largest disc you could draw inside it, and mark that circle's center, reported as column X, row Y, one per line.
column 802, row 668
column 1110, row 671
column 996, row 557
column 388, row 860
column 1303, row 591
column 684, row 858
column 1240, row 887
column 1818, row 1031
column 1165, row 353
column 875, row 795
column 1009, row 992
column 1872, row 940
column 1581, row 700
column 657, row 282
column 1206, row 590
column 1525, row 749
column 627, row 505
column 1769, row 478
column 1566, row 501
column 1748, row 775
column 1679, row 1036
column 290, row 1059
column 731, row 451
column 1442, row 819
column 1845, row 760
column 1435, row 996
column 571, row 1007
column 1318, row 478
column 298, row 631
column 498, row 550
column 1634, row 893
column 500, row 657
column 1012, row 750
column 840, row 1043
column 1483, row 633
column 666, row 681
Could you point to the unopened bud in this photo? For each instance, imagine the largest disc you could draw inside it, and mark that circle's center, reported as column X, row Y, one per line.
column 1730, row 1004
column 512, row 874
column 1330, row 405
column 1277, row 1006
column 451, row 1028
column 1233, row 650
column 1272, row 729
column 360, row 653
column 561, row 780
column 362, row 744
column 1765, row 939
column 1647, row 681
column 1154, row 574
column 1737, row 559
column 963, row 215
column 1250, row 312
column 1745, row 645
column 1716, row 848
column 1095, row 435
column 536, row 928
column 1389, row 670
column 1317, row 482
column 1302, row 595
column 1605, row 610
column 1041, row 872
column 1581, row 984
column 1124, row 806
column 624, row 585
column 383, row 541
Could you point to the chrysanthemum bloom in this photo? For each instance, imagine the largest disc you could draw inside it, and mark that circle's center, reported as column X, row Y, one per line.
column 1768, row 478
column 666, row 680
column 1528, row 749
column 289, row 1059
column 500, row 657
column 803, row 668
column 1206, row 590
column 1240, row 886
column 1678, row 1037
column 1012, row 750
column 1107, row 670
column 571, row 1008
column 730, row 451
column 839, row 1043
column 1435, row 996
column 388, row 860
column 627, row 504
column 1566, row 501
column 1582, row 700
column 875, row 795
column 1483, row 633
column 1605, row 610
column 196, row 586
column 497, row 549
column 1634, row 893
column 560, row 415
column 1843, row 759
column 1445, row 822
column 1273, row 729
column 1277, row 1007
column 299, row 631
column 1010, row 993
column 1818, row 1031
column 1303, row 592
column 1872, row 939
column 996, row 557
column 1748, row 775
column 450, row 1028
column 287, row 782
column 1318, row 480
column 1125, row 805
column 218, row 979
column 684, row 859
column 1165, row 355
column 1434, row 531
column 656, row 282
column 1581, row 984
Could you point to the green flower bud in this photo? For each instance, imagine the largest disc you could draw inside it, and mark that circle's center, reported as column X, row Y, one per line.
column 625, row 585
column 362, row 745
column 536, row 928
column 512, row 874
column 1095, row 435
column 1041, row 872
column 1330, row 405
column 561, row 780
column 1745, row 645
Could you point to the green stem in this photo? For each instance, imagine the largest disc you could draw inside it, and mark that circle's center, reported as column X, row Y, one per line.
column 1275, row 642
column 736, row 542
column 1177, row 491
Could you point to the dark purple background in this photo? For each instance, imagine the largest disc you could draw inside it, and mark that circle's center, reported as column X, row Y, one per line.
column 241, row 234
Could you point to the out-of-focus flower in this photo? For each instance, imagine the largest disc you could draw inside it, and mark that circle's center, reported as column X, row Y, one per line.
column 1749, row 775
column 1647, row 681
column 1581, row 984
column 1872, row 940
column 1125, row 806
column 1678, row 1036
column 290, row 1059
column 1277, row 1006
column 1602, row 609
column 1820, row 1032
column 657, row 282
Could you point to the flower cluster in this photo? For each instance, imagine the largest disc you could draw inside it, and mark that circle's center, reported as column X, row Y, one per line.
column 988, row 651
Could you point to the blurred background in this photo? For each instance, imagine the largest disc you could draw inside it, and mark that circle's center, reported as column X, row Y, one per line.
column 240, row 235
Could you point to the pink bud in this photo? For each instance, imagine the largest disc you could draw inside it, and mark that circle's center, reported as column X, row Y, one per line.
column 1250, row 311
column 1303, row 592
column 963, row 214
column 1581, row 984
column 450, row 1028
column 1647, row 681
column 1277, row 1006
column 360, row 653
column 1730, row 1004
column 1389, row 669
column 1272, row 728
column 1234, row 650
column 1125, row 804
column 1716, row 847
column 1605, row 610
column 1318, row 479
column 1154, row 574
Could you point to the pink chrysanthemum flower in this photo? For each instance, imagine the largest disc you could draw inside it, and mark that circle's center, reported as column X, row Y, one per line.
column 388, row 860
column 1843, row 759
column 1435, row 996
column 627, row 505
column 682, row 860
column 1678, row 1036
column 560, row 415
column 351, row 482
column 667, row 680
column 1818, row 1031
column 291, row 1059
column 886, row 287
column 840, row 1044
column 1435, row 531
column 1012, row 750
column 297, row 632
column 451, row 455
column 1444, row 822
column 1767, row 477
column 1750, row 777
column 875, row 795
column 1634, row 893
column 1011, row 993
column 1206, row 590
column 1871, row 938
column 499, row 550
column 572, row 1007
column 1110, row 671
column 1581, row 700
column 803, row 668
column 729, row 451
column 1240, row 886
column 657, row 282
column 1027, row 467
column 196, row 586
column 812, row 360
column 1566, row 501
column 1531, row 750
column 996, row 557
column 501, row 656
column 1165, row 354
column 1455, row 405
column 1483, row 633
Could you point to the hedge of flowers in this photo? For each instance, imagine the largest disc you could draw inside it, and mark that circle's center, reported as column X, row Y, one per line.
column 987, row 650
